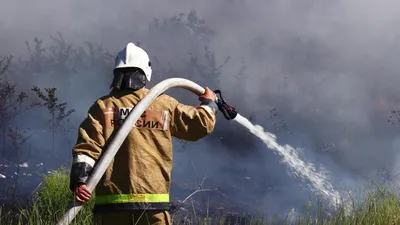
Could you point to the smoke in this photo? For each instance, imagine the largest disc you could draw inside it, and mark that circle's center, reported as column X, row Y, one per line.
column 328, row 68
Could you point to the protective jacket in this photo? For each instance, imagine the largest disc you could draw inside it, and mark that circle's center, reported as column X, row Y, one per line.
column 139, row 176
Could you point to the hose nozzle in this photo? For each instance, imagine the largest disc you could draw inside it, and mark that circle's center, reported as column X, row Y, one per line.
column 228, row 111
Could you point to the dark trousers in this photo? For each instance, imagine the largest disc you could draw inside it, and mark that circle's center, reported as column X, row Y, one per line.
column 133, row 218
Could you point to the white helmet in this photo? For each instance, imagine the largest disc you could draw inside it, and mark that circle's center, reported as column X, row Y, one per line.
column 134, row 56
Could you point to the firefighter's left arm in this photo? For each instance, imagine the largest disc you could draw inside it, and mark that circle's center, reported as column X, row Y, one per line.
column 88, row 147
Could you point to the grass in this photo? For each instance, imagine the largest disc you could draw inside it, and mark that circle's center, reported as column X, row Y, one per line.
column 50, row 203
column 379, row 206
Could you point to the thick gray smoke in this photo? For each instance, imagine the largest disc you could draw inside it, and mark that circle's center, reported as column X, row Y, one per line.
column 322, row 75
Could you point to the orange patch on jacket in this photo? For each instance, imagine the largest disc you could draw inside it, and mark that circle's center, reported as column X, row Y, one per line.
column 150, row 119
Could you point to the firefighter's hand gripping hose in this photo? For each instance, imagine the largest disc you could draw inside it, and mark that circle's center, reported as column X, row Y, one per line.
column 228, row 111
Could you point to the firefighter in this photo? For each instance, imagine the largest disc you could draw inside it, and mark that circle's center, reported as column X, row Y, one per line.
column 135, row 187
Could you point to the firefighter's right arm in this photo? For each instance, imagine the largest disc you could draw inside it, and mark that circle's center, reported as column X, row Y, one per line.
column 193, row 123
column 88, row 147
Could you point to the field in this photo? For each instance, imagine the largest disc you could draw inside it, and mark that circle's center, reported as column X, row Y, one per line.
column 51, row 201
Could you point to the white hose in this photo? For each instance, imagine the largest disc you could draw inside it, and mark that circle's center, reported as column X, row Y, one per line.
column 123, row 132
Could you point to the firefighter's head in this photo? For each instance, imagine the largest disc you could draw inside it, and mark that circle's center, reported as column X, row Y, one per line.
column 132, row 68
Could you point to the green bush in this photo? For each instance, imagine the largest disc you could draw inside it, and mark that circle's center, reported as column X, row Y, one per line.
column 380, row 206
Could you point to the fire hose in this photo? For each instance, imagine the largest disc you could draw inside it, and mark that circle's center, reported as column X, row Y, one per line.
column 111, row 150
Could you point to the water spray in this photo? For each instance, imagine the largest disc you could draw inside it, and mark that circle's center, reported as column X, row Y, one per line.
column 303, row 170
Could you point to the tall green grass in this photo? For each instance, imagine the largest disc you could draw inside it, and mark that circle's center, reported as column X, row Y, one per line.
column 49, row 204
column 379, row 207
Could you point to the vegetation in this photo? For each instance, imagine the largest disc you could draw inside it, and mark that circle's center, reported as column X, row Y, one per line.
column 56, row 110
column 378, row 207
column 49, row 203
